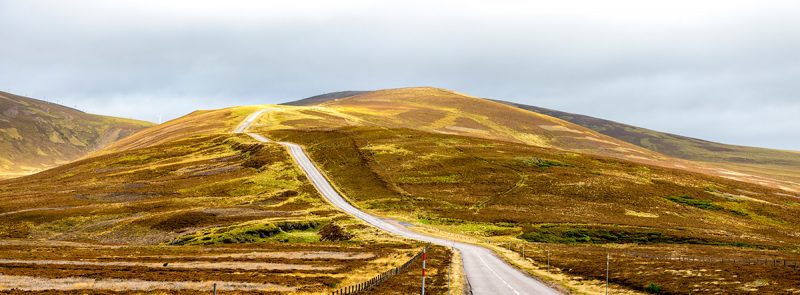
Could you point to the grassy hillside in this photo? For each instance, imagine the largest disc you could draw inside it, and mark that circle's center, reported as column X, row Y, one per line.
column 209, row 208
column 760, row 161
column 205, row 122
column 447, row 112
column 501, row 188
column 451, row 164
column 35, row 135
column 578, row 207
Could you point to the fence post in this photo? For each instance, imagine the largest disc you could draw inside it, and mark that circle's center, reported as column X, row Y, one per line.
column 608, row 259
column 215, row 288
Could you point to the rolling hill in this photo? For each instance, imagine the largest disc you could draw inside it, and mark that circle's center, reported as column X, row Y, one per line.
column 215, row 208
column 441, row 161
column 37, row 135
column 778, row 164
column 448, row 112
column 424, row 108
column 197, row 123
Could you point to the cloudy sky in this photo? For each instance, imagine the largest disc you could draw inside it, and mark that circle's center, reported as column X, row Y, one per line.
column 727, row 71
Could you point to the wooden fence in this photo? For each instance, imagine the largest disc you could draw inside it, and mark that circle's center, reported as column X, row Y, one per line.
column 373, row 282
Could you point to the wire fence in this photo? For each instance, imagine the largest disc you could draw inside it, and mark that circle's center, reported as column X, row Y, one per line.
column 743, row 261
column 773, row 262
column 374, row 282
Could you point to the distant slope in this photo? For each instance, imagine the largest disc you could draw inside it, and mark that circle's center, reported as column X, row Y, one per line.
column 317, row 99
column 204, row 122
column 444, row 111
column 776, row 163
column 37, row 135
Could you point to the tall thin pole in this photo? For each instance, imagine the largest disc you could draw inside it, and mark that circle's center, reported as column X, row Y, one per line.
column 548, row 260
column 450, row 270
column 215, row 288
column 424, row 257
column 608, row 258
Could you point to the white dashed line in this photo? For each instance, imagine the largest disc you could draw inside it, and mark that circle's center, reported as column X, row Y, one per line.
column 497, row 275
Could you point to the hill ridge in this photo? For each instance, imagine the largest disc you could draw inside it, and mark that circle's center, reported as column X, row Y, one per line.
column 38, row 134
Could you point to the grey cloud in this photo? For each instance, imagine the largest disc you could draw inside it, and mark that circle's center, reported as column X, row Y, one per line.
column 715, row 70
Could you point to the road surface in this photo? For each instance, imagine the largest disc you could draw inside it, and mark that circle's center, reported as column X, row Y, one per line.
column 486, row 273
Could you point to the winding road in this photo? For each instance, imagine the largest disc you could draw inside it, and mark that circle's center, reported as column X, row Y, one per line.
column 486, row 273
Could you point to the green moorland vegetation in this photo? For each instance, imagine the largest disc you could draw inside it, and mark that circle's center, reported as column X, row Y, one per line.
column 503, row 192
column 197, row 204
column 461, row 182
column 434, row 158
column 445, row 111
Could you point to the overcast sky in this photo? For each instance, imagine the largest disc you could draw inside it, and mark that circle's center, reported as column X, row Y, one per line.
column 727, row 71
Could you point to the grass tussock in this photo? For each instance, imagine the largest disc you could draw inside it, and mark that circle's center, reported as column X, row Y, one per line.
column 565, row 234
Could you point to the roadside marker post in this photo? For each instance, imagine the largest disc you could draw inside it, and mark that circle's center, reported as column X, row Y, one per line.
column 215, row 288
column 424, row 257
column 450, row 269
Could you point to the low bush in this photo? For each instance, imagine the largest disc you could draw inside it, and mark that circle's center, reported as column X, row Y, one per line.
column 653, row 288
column 601, row 235
column 333, row 232
column 704, row 204
column 252, row 233
column 689, row 201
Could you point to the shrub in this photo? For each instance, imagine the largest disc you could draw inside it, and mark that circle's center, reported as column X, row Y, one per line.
column 255, row 163
column 565, row 234
column 252, row 233
column 333, row 232
column 702, row 204
column 543, row 163
column 653, row 288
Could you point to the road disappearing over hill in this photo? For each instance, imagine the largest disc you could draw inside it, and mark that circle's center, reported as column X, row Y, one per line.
column 485, row 272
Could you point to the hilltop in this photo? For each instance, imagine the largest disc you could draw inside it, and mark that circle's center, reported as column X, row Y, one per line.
column 37, row 135
column 449, row 112
column 317, row 99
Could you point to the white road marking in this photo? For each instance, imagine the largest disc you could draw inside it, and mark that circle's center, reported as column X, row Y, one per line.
column 497, row 275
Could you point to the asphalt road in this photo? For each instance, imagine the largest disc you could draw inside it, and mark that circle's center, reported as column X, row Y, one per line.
column 486, row 273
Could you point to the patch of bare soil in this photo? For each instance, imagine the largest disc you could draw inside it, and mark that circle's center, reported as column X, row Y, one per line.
column 28, row 283
column 189, row 265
